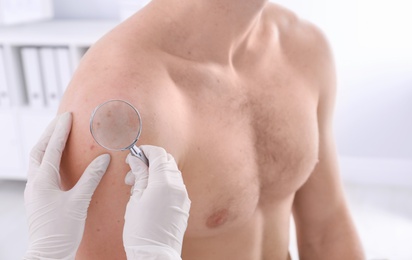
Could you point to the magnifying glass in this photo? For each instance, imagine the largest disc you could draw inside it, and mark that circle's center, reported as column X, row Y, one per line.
column 116, row 125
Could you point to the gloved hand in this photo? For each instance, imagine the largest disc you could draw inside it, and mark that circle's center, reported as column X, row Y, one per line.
column 56, row 218
column 158, row 210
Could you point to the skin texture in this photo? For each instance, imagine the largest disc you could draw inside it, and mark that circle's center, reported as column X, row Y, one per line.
column 242, row 95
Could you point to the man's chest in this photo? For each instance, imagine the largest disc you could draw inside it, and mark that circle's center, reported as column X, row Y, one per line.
column 247, row 145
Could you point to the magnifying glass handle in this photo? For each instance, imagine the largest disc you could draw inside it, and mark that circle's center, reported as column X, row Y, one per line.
column 137, row 152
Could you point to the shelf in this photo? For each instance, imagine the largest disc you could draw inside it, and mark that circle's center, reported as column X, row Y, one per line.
column 31, row 90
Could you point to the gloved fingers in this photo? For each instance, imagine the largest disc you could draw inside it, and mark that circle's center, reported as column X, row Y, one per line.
column 129, row 179
column 134, row 162
column 138, row 187
column 57, row 142
column 157, row 157
column 91, row 177
column 171, row 159
column 137, row 178
column 37, row 152
column 154, row 154
column 162, row 166
column 139, row 174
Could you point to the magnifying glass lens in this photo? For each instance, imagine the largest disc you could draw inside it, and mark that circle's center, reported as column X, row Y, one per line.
column 116, row 125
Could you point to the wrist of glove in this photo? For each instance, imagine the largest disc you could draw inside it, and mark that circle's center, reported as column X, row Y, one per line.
column 158, row 210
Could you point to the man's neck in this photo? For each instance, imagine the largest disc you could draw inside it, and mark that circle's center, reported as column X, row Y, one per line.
column 205, row 30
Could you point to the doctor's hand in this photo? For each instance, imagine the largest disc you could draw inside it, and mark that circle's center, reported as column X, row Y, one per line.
column 56, row 218
column 158, row 210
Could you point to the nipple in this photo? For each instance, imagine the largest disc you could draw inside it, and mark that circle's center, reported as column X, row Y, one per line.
column 217, row 219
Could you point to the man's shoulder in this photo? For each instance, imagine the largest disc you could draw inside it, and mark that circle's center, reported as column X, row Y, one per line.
column 294, row 31
column 302, row 43
column 115, row 66
column 281, row 15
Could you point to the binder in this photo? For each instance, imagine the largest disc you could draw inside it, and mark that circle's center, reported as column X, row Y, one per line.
column 49, row 75
column 4, row 87
column 32, row 76
column 64, row 67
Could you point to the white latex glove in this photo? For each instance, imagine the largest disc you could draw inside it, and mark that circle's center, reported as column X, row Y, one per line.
column 158, row 210
column 56, row 218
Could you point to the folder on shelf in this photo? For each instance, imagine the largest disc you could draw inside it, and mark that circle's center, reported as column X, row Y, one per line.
column 32, row 76
column 4, row 88
column 48, row 62
column 64, row 67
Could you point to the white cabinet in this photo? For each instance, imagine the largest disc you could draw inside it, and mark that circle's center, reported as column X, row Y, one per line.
column 22, row 119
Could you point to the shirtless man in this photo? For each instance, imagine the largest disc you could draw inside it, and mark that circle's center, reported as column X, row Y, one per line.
column 241, row 93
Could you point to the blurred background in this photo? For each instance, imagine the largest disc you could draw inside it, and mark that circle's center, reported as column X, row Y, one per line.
column 372, row 43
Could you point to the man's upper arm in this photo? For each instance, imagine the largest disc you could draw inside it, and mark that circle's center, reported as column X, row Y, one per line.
column 310, row 200
column 104, row 223
column 113, row 69
column 95, row 82
column 321, row 214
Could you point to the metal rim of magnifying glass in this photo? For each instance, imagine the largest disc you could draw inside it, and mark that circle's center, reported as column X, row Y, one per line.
column 138, row 134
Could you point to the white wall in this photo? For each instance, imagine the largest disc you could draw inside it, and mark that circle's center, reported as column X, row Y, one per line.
column 97, row 9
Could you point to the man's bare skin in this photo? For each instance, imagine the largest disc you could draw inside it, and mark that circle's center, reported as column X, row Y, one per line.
column 241, row 93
